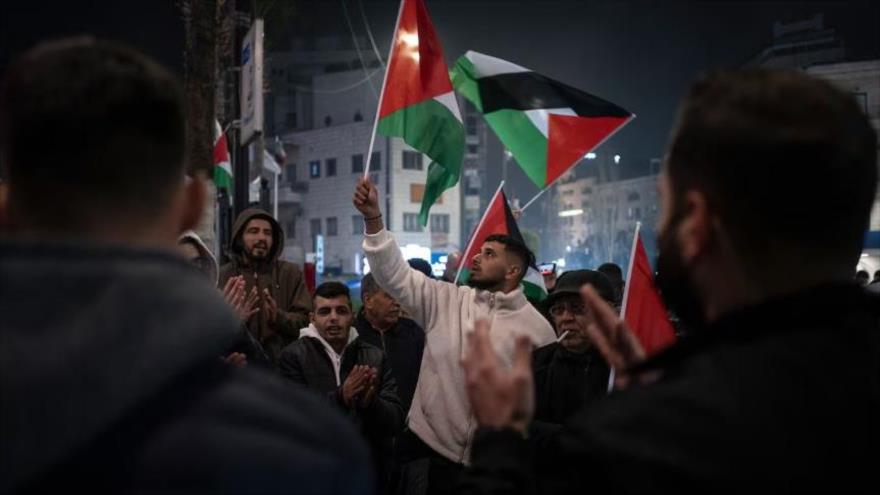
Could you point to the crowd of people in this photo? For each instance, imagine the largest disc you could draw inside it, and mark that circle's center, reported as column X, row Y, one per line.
column 132, row 361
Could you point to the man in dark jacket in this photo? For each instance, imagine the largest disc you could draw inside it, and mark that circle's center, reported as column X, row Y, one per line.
column 380, row 323
column 110, row 380
column 331, row 360
column 257, row 244
column 572, row 372
column 778, row 388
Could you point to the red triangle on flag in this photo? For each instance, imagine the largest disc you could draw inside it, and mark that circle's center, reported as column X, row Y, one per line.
column 571, row 137
column 498, row 219
column 416, row 69
column 643, row 310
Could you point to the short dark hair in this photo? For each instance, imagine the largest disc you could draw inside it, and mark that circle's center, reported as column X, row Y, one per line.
column 94, row 125
column 330, row 290
column 517, row 248
column 759, row 141
column 369, row 286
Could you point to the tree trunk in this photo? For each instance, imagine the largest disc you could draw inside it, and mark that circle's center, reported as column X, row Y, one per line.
column 200, row 79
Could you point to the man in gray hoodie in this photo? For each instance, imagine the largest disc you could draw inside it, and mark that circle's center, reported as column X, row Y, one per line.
column 109, row 372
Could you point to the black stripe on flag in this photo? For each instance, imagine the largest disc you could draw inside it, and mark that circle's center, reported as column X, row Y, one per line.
column 532, row 91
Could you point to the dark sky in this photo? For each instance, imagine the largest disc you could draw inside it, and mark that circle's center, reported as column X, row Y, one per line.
column 641, row 54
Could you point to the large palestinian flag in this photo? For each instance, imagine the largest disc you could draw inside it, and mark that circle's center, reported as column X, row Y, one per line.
column 547, row 126
column 498, row 219
column 418, row 103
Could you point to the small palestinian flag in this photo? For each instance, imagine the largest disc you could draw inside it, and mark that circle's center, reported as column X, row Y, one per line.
column 222, row 167
column 547, row 126
column 418, row 103
column 643, row 309
column 498, row 219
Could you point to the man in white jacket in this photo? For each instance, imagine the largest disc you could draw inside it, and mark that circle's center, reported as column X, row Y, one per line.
column 440, row 415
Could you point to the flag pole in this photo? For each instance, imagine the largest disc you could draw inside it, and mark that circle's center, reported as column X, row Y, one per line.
column 627, row 121
column 461, row 262
column 629, row 271
column 382, row 93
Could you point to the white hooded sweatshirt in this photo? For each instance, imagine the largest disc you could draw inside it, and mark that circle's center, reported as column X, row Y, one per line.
column 336, row 359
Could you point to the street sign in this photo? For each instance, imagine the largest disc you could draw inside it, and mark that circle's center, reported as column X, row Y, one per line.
column 251, row 97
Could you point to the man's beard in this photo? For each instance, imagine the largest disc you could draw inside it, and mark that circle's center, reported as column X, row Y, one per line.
column 258, row 257
column 673, row 282
column 483, row 284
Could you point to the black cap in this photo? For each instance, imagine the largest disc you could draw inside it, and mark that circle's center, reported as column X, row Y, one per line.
column 571, row 283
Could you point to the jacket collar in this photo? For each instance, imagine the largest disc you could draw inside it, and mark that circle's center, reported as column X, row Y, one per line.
column 511, row 301
column 311, row 331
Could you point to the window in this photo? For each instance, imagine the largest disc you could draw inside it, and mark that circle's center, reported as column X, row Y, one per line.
column 357, row 164
column 440, row 223
column 331, row 166
column 470, row 124
column 376, row 161
column 412, row 160
column 315, row 225
column 417, row 192
column 290, row 173
column 331, row 227
column 357, row 225
column 290, row 229
column 290, row 119
column 473, row 149
column 315, row 169
column 633, row 196
column 411, row 222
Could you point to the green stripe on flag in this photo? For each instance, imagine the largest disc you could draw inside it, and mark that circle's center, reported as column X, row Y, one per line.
column 430, row 127
column 528, row 146
column 464, row 79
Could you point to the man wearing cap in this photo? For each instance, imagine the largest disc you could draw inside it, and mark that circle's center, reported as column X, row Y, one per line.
column 570, row 373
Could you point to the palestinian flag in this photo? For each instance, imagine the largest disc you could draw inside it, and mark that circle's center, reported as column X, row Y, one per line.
column 547, row 126
column 498, row 219
column 418, row 103
column 222, row 166
column 643, row 309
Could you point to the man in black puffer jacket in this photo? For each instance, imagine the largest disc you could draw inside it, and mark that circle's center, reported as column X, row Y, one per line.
column 330, row 359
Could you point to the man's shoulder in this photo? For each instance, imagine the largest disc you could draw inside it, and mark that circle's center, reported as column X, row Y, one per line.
column 288, row 268
column 252, row 427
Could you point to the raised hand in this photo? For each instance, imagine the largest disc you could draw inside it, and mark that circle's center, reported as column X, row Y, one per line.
column 366, row 199
column 612, row 337
column 499, row 398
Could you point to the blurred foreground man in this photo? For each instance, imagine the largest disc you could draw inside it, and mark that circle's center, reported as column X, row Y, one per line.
column 778, row 390
column 110, row 377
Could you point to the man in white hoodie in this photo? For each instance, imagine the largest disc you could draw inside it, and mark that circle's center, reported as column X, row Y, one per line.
column 440, row 416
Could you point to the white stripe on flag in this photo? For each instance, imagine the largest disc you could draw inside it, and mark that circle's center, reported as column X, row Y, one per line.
column 485, row 66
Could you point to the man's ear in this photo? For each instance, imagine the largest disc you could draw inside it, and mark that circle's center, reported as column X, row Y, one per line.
column 695, row 229
column 195, row 193
column 311, row 317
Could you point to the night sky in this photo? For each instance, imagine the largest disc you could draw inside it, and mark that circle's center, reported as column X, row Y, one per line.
column 641, row 55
